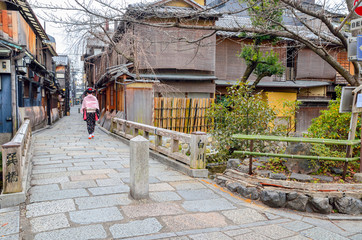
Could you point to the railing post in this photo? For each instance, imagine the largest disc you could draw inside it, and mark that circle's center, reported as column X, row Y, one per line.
column 198, row 150
column 113, row 125
column 135, row 132
column 139, row 168
column 175, row 145
column 12, row 171
column 158, row 141
column 251, row 158
column 146, row 135
column 124, row 129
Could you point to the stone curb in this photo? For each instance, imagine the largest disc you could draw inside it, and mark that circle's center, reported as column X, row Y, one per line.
column 196, row 173
column 14, row 199
column 282, row 198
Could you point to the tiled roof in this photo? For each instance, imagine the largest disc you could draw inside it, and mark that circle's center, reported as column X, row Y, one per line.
column 143, row 11
column 285, row 84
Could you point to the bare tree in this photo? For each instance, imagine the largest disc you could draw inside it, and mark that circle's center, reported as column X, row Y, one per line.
column 315, row 26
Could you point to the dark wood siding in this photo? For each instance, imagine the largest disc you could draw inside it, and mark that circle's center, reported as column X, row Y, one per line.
column 161, row 49
column 311, row 66
column 229, row 66
column 305, row 115
column 139, row 105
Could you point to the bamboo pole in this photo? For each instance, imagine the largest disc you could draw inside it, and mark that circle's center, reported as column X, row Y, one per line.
column 183, row 115
column 174, row 113
column 187, row 117
column 203, row 127
column 296, row 139
column 351, row 159
column 155, row 116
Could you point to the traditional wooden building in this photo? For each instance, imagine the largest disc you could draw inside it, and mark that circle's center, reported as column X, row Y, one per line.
column 189, row 68
column 307, row 77
column 62, row 72
column 28, row 85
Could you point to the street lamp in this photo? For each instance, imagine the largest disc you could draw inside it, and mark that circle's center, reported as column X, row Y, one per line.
column 27, row 60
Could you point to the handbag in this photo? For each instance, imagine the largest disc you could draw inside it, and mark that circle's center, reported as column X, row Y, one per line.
column 84, row 114
column 97, row 114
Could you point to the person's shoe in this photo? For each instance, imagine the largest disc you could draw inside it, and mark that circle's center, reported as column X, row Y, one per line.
column 90, row 136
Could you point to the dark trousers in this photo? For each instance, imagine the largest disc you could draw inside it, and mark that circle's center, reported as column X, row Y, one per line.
column 91, row 122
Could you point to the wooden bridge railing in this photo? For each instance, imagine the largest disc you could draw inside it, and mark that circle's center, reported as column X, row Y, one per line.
column 252, row 138
column 194, row 157
column 14, row 154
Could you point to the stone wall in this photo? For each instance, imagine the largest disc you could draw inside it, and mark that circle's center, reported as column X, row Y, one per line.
column 5, row 137
column 36, row 115
column 294, row 199
column 54, row 115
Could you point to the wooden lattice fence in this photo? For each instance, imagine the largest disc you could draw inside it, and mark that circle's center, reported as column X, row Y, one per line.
column 182, row 114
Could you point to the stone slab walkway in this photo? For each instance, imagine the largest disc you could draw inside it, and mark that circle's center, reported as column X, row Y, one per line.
column 80, row 191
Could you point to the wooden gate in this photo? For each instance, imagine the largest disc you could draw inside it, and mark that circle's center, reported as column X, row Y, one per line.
column 182, row 114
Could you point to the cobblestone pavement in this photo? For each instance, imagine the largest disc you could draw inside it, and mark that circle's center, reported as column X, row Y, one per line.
column 80, row 191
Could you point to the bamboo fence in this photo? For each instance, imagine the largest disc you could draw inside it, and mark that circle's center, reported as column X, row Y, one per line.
column 182, row 114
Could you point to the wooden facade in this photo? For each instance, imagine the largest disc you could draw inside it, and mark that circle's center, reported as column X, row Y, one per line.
column 206, row 69
column 33, row 85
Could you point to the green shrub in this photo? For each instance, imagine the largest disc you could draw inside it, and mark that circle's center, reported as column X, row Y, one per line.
column 244, row 112
column 332, row 125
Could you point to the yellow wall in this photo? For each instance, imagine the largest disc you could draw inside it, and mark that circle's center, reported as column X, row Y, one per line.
column 201, row 2
column 140, row 85
column 313, row 92
column 180, row 3
column 276, row 99
column 177, row 3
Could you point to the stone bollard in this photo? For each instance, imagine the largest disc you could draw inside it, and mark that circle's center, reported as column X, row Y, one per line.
column 139, row 168
column 198, row 150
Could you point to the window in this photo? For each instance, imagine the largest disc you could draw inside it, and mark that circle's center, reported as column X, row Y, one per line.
column 26, row 89
column 112, row 96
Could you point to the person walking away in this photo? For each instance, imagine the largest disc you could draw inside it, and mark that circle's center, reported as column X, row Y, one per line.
column 90, row 110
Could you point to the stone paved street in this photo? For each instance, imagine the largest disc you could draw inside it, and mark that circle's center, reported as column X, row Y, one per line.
column 80, row 191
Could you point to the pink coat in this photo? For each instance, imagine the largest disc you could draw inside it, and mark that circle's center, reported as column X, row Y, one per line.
column 90, row 101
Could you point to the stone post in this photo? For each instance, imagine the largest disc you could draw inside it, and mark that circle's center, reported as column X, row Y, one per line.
column 198, row 150
column 12, row 170
column 139, row 168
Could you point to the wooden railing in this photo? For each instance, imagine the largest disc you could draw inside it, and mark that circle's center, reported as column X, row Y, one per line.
column 252, row 138
column 14, row 154
column 193, row 155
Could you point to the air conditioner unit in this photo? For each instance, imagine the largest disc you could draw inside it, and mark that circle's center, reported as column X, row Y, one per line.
column 21, row 70
column 5, row 66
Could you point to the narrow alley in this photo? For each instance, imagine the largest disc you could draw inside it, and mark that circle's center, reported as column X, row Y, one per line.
column 79, row 190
